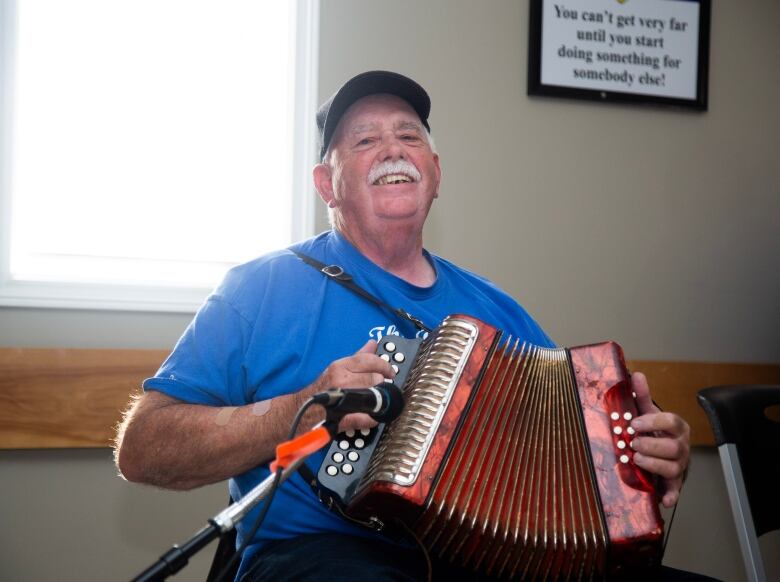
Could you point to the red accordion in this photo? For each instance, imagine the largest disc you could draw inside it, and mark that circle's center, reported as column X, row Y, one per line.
column 514, row 461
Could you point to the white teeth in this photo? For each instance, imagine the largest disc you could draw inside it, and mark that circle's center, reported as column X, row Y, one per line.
column 393, row 179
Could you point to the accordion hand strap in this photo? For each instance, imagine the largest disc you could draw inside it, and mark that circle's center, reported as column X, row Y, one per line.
column 336, row 273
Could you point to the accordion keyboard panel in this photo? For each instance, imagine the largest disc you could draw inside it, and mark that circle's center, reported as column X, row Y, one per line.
column 441, row 360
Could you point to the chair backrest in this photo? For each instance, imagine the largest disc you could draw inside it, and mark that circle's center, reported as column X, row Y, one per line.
column 746, row 423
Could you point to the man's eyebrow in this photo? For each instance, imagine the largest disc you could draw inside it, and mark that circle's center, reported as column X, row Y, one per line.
column 362, row 128
column 409, row 125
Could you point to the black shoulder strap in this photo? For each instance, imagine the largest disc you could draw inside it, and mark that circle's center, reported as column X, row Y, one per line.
column 336, row 273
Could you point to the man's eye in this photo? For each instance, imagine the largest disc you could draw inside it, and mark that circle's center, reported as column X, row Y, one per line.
column 364, row 141
column 410, row 137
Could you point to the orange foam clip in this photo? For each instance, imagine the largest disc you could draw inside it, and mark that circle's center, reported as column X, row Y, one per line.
column 290, row 451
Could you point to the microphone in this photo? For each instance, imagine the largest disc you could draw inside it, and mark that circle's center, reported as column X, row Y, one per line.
column 383, row 403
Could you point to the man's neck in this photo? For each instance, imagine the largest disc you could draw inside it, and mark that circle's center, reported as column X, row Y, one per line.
column 399, row 253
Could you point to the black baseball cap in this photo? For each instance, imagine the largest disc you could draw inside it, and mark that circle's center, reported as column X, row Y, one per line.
column 370, row 83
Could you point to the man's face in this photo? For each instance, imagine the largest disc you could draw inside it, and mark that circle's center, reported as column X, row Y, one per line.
column 383, row 171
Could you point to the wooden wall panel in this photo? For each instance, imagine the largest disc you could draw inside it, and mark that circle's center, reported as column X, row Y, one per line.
column 61, row 398
column 674, row 386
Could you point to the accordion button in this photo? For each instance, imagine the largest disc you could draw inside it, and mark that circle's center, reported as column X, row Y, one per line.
column 621, row 444
column 614, row 416
column 347, row 469
column 353, row 456
column 630, row 430
column 627, row 416
column 624, row 458
column 399, row 357
column 390, row 347
column 332, row 470
column 360, row 443
column 350, row 433
column 395, row 368
column 344, row 445
column 338, row 457
column 618, row 430
column 365, row 431
column 385, row 357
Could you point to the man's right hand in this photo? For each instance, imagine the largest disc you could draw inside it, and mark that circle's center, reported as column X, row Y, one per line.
column 363, row 369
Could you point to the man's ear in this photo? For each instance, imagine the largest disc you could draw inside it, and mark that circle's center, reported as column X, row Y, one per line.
column 438, row 174
column 323, row 182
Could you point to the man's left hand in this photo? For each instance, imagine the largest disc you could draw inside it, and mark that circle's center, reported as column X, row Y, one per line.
column 662, row 445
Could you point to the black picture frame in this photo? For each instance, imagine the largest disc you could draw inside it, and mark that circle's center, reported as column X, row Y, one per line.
column 537, row 88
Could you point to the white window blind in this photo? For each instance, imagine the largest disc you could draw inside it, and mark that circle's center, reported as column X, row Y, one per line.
column 148, row 146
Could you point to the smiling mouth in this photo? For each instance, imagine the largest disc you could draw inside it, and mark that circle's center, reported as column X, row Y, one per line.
column 393, row 179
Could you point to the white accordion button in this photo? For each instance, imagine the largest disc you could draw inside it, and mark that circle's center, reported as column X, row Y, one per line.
column 360, row 443
column 624, row 458
column 332, row 470
column 390, row 346
column 344, row 445
column 385, row 357
column 353, row 456
column 399, row 357
column 630, row 430
column 365, row 431
column 347, row 468
column 338, row 457
column 618, row 430
column 628, row 416
column 614, row 416
column 621, row 444
column 350, row 433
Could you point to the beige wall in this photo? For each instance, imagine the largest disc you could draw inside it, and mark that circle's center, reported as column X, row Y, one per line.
column 650, row 226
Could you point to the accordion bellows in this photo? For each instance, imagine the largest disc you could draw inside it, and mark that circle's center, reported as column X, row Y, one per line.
column 515, row 461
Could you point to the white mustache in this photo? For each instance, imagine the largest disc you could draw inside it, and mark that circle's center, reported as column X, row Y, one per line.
column 393, row 167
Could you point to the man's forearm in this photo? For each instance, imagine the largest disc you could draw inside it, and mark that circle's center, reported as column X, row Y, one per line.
column 170, row 444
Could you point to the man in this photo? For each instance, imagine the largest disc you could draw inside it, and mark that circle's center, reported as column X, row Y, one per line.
column 277, row 331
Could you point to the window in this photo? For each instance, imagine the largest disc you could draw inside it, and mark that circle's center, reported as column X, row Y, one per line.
column 149, row 146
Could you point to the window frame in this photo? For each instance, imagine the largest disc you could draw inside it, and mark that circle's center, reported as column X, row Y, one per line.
column 154, row 298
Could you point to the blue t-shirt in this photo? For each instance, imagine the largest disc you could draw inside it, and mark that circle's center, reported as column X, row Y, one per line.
column 274, row 324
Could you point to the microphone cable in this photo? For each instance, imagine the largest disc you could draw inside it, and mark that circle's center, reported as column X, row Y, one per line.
column 274, row 486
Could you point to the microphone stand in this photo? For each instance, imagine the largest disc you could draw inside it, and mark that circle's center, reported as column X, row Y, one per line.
column 177, row 557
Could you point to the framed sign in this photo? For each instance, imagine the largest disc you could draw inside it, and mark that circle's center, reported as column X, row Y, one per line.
column 642, row 51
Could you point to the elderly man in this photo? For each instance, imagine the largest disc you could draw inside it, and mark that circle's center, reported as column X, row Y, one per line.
column 277, row 331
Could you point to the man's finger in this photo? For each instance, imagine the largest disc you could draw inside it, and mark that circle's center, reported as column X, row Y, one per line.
column 368, row 348
column 356, row 421
column 663, row 467
column 662, row 448
column 642, row 390
column 665, row 422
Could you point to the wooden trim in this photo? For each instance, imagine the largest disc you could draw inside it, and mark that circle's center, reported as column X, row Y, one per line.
column 63, row 398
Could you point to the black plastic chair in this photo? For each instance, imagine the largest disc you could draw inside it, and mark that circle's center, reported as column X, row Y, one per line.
column 746, row 424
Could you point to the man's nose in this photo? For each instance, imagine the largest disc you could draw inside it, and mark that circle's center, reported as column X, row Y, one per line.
column 392, row 147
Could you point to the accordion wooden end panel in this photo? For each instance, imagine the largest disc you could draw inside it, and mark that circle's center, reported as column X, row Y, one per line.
column 628, row 494
column 515, row 461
